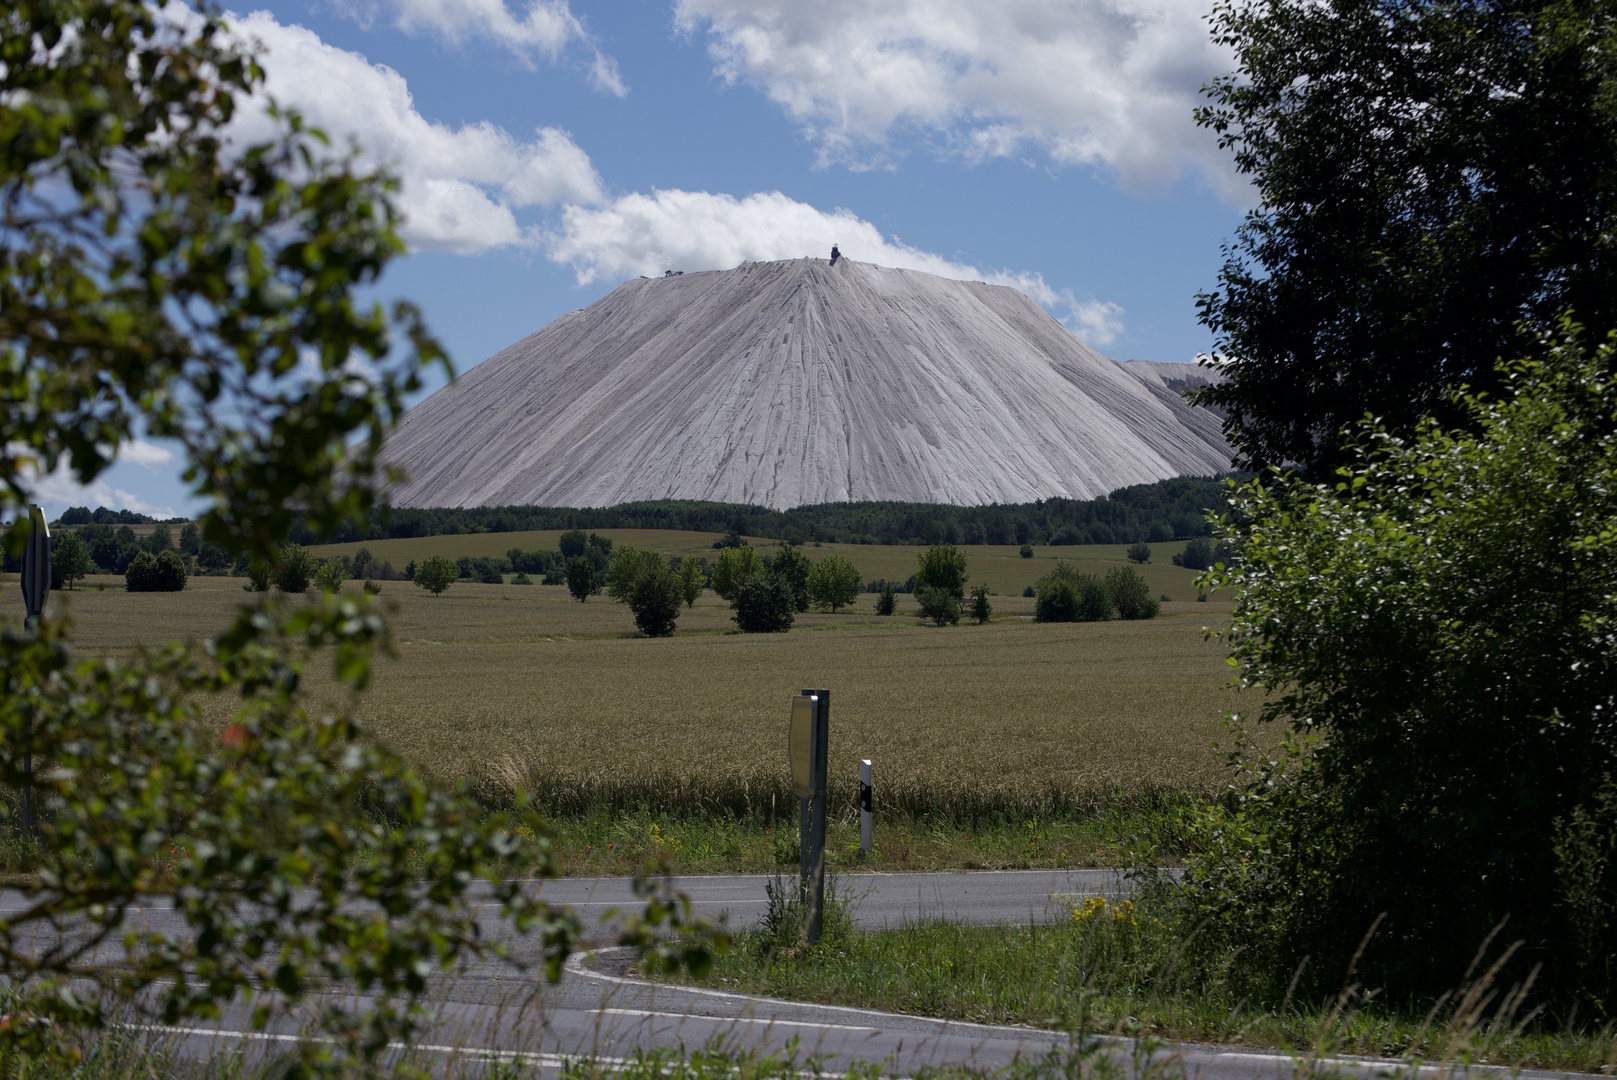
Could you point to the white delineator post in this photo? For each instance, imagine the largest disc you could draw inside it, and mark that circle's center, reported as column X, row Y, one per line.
column 865, row 825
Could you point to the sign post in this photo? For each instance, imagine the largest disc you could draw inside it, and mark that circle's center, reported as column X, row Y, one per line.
column 808, row 745
column 865, row 808
column 36, row 587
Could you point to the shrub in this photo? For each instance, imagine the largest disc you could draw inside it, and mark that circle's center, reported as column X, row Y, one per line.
column 436, row 573
column 330, row 575
column 1067, row 595
column 1028, row 591
column 294, row 569
column 939, row 605
column 1130, row 595
column 521, row 579
column 763, row 603
column 163, row 572
column 582, row 580
column 1140, row 553
column 833, row 583
column 1027, row 551
column 981, row 609
column 572, row 543
column 692, row 580
column 886, row 600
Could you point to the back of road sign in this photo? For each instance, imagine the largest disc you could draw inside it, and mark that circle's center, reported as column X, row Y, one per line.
column 36, row 564
column 800, row 746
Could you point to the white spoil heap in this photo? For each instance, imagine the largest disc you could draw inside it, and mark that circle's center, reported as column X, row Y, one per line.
column 789, row 383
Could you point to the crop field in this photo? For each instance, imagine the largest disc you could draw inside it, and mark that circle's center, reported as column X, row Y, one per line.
column 1000, row 566
column 522, row 685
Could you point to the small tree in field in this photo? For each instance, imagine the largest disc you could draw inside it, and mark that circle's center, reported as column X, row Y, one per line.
column 887, row 599
column 436, row 573
column 1130, row 595
column 331, row 575
column 942, row 567
column 793, row 567
column 641, row 579
column 71, row 559
column 582, row 580
column 1140, row 553
column 939, row 605
column 692, row 580
column 833, row 582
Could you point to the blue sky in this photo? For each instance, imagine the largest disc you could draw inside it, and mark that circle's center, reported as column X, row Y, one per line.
column 550, row 149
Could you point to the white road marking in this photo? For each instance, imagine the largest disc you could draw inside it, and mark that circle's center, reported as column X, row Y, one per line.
column 649, row 1013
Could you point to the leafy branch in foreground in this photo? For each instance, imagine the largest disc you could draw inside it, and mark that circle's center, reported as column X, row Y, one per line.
column 159, row 280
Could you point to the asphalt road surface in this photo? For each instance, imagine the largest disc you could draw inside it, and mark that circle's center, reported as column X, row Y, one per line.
column 494, row 1011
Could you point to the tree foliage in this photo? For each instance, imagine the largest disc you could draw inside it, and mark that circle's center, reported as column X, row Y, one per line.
column 295, row 568
column 942, row 566
column 735, row 563
column 833, row 582
column 692, row 580
column 886, row 601
column 1437, row 634
column 981, row 608
column 939, row 605
column 1130, row 595
column 1438, row 184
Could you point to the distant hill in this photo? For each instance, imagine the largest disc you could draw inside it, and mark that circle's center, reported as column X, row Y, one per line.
column 794, row 383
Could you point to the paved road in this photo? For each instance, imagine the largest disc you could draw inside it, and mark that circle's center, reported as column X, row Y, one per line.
column 493, row 1010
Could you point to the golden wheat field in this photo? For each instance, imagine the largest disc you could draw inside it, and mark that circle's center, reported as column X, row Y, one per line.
column 521, row 684
column 1000, row 566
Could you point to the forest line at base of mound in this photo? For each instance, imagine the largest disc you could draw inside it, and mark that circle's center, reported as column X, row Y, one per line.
column 520, row 684
column 1173, row 509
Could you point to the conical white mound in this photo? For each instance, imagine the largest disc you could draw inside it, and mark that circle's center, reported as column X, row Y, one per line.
column 789, row 383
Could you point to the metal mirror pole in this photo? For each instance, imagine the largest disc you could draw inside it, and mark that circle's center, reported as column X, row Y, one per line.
column 818, row 769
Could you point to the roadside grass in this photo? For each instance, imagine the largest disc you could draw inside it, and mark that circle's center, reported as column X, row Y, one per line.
column 1114, row 968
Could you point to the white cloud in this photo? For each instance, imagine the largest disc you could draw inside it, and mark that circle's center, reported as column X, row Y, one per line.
column 544, row 31
column 457, row 185
column 60, row 490
column 1109, row 83
column 698, row 230
column 141, row 452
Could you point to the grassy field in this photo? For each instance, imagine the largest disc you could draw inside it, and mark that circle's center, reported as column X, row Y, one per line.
column 1000, row 566
column 521, row 685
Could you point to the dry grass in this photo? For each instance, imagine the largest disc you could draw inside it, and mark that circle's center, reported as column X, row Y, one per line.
column 1001, row 566
column 520, row 684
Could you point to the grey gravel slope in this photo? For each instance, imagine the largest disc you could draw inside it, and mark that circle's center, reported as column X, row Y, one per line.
column 790, row 383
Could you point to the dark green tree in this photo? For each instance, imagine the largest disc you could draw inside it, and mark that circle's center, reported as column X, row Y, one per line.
column 436, row 573
column 1437, row 185
column 655, row 599
column 793, row 567
column 190, row 538
column 582, row 580
column 572, row 543
column 1140, row 553
column 1066, row 594
column 886, row 600
column 833, row 582
column 763, row 603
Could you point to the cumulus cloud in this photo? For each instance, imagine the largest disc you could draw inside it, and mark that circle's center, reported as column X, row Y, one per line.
column 458, row 185
column 545, row 30
column 141, row 452
column 60, row 489
column 1109, row 83
column 698, row 230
